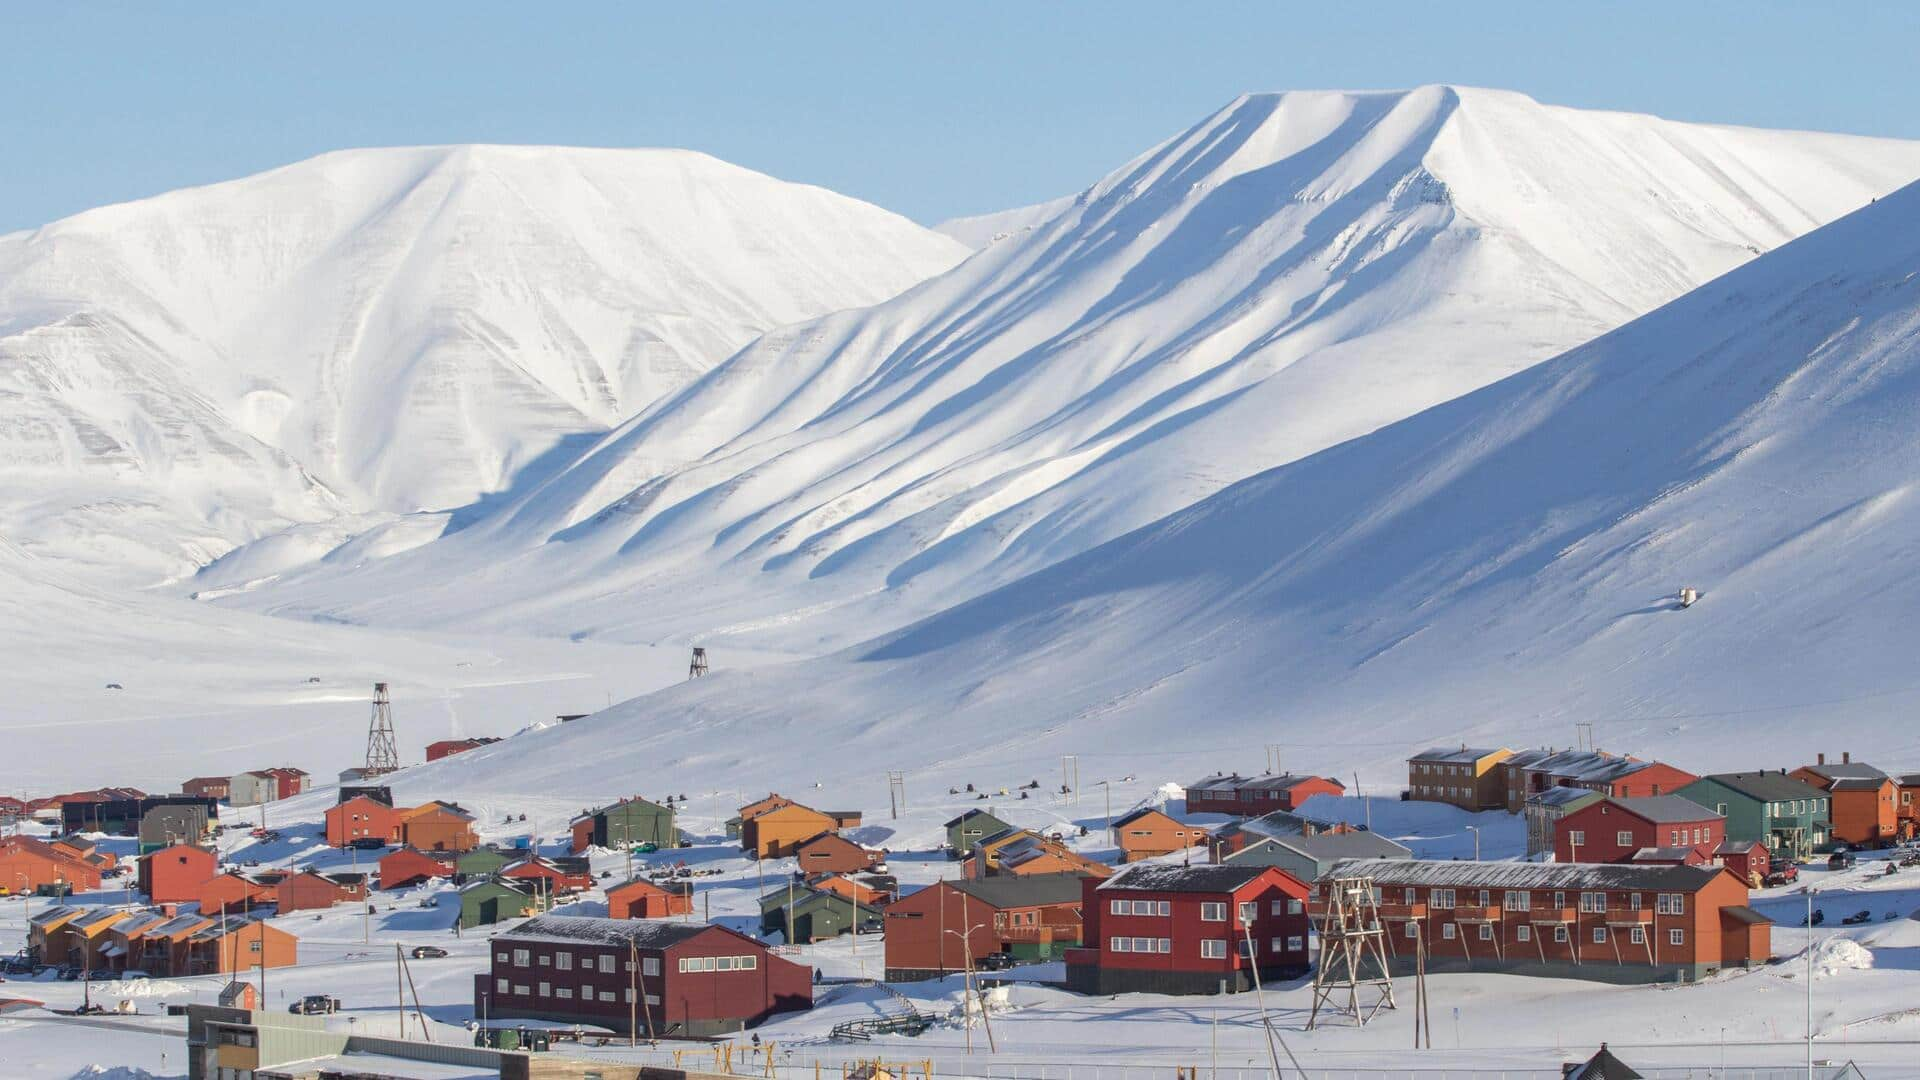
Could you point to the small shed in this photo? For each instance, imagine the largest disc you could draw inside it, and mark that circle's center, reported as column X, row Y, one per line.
column 969, row 829
column 484, row 903
column 239, row 995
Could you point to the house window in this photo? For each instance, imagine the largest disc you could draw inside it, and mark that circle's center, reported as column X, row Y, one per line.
column 1523, row 932
column 1638, row 935
column 1623, row 838
column 1443, row 899
column 1559, row 899
column 1244, row 948
column 545, row 960
column 502, row 957
column 564, row 993
column 1517, row 900
column 1593, row 902
column 1671, row 904
column 1213, row 949
column 500, row 986
column 520, row 989
column 253, row 946
column 522, row 958
column 1248, row 911
column 1296, row 943
column 563, row 961
column 653, row 999
column 1213, row 912
column 1599, row 935
column 1486, row 931
column 1447, row 931
column 650, row 966
column 1117, row 907
column 606, row 995
column 606, row 965
column 546, row 989
column 1676, row 936
column 1576, row 837
column 1412, row 930
column 1143, row 907
column 1560, row 934
column 1634, row 901
column 626, row 995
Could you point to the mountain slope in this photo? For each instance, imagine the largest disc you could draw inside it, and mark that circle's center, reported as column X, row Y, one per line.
column 387, row 331
column 1294, row 271
column 1492, row 570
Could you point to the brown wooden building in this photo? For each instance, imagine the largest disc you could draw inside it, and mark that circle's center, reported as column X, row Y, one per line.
column 1032, row 918
column 1149, row 833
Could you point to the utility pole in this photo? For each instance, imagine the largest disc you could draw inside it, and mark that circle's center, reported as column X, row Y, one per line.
column 1809, row 982
column 896, row 792
column 400, row 989
column 1106, row 787
column 1273, row 758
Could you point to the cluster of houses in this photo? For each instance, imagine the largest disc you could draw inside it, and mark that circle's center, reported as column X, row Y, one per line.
column 250, row 788
column 162, row 941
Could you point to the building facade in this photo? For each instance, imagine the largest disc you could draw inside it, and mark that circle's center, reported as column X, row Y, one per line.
column 1190, row 930
column 943, row 928
column 1469, row 777
column 1148, row 833
column 1616, row 830
column 1791, row 817
column 1251, row 796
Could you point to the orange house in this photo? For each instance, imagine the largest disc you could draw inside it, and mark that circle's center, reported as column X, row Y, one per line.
column 232, row 944
column 643, row 899
column 310, row 891
column 775, row 833
column 1148, row 833
column 1907, row 821
column 410, row 866
column 1021, row 853
column 176, row 874
column 27, row 864
column 842, row 885
column 438, row 826
column 361, row 817
column 1865, row 805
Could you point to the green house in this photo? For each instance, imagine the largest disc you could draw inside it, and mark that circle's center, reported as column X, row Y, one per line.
column 482, row 862
column 817, row 915
column 970, row 828
column 1792, row 818
column 490, row 900
column 625, row 824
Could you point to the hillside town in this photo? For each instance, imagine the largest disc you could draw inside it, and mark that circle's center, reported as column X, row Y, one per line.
column 1602, row 868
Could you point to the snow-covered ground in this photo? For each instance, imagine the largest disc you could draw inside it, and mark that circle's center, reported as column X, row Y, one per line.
column 1864, row 975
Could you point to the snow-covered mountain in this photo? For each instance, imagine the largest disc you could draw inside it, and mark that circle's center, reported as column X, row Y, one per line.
column 1294, row 271
column 1493, row 569
column 386, row 331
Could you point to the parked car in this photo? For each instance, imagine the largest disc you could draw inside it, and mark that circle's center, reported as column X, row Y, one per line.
column 315, row 1005
column 67, row 972
column 428, row 952
column 102, row 975
column 1841, row 860
column 1784, row 874
column 996, row 961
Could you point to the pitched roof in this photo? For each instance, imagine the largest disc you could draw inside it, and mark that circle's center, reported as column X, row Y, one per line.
column 1665, row 809
column 1766, row 786
column 1158, row 877
column 1465, row 755
column 1601, row 1066
column 1513, row 875
column 1663, row 855
column 1859, row 783
column 1737, row 847
column 641, row 933
column 1566, row 798
column 970, row 814
column 138, row 923
column 1136, row 815
column 1741, row 913
column 1846, row 770
column 1033, row 890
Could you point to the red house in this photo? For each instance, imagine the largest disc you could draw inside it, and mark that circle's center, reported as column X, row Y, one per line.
column 208, row 787
column 1667, row 828
column 411, row 866
column 1748, row 859
column 231, row 892
column 360, row 818
column 450, row 747
column 651, row 978
column 176, row 874
column 308, row 891
column 1162, row 929
column 946, row 926
column 557, row 875
column 643, row 899
column 831, row 853
column 1251, row 796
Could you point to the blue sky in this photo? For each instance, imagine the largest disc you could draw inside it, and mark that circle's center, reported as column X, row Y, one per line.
column 931, row 110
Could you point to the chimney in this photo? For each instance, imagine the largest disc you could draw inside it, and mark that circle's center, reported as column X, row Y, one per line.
column 1846, row 757
column 1819, row 759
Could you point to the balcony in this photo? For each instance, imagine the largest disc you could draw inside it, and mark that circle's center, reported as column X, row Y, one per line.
column 1035, row 935
column 1566, row 915
column 1476, row 914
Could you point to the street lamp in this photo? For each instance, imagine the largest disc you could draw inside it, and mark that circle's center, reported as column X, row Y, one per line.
column 1106, row 787
column 1475, row 830
column 966, row 946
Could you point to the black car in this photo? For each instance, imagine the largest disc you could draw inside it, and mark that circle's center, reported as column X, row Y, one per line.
column 102, row 975
column 67, row 972
column 1841, row 860
column 315, row 1005
column 428, row 952
column 996, row 961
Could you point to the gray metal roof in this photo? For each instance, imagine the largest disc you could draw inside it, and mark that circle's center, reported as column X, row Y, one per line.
column 970, row 814
column 1164, row 877
column 1847, row 770
column 1662, row 854
column 641, row 933
column 1465, row 755
column 1033, row 890
column 1518, row 875
column 1343, row 845
column 1564, row 797
column 1858, row 783
column 1766, row 786
column 1665, row 809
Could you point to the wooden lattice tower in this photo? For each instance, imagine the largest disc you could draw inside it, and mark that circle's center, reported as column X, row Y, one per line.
column 699, row 665
column 1353, row 952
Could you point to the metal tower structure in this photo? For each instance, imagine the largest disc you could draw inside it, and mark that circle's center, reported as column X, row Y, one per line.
column 1353, row 952
column 383, row 754
column 699, row 665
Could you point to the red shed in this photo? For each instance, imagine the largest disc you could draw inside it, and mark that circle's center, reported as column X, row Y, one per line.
column 1748, row 859
column 177, row 874
column 1156, row 928
column 309, row 891
column 557, row 875
column 691, row 979
column 1614, row 830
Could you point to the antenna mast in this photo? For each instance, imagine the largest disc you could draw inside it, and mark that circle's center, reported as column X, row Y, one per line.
column 383, row 755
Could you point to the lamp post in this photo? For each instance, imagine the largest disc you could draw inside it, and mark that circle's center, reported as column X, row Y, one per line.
column 966, row 946
column 1809, row 982
column 1475, row 830
column 1106, row 788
